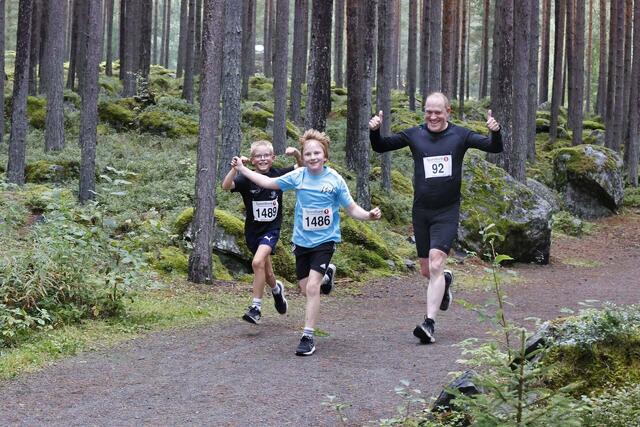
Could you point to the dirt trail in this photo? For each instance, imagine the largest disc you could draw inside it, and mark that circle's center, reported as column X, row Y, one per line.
column 237, row 374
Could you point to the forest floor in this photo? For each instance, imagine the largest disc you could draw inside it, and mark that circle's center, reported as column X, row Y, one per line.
column 233, row 373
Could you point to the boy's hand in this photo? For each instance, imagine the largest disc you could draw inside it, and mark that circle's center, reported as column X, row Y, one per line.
column 375, row 214
column 238, row 162
column 291, row 151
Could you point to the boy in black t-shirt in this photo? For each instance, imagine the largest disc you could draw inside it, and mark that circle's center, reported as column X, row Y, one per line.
column 262, row 225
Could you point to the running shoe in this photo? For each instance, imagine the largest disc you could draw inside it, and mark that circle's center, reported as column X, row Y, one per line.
column 252, row 315
column 328, row 280
column 279, row 300
column 306, row 346
column 425, row 331
column 447, row 298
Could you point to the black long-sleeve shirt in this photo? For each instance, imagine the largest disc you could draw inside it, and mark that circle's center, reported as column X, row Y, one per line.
column 437, row 158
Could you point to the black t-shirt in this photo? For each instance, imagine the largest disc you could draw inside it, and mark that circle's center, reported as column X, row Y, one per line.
column 437, row 158
column 263, row 206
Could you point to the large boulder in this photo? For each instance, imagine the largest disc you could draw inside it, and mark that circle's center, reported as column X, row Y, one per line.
column 590, row 179
column 550, row 195
column 491, row 196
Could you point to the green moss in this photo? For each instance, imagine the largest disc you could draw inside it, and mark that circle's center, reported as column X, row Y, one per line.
column 257, row 116
column 403, row 118
column 566, row 223
column 591, row 124
column 116, row 115
column 578, row 163
column 45, row 171
column 183, row 220
column 36, row 111
column 220, row 272
column 340, row 91
column 359, row 233
column 172, row 260
column 111, row 86
column 632, row 197
column 72, row 97
column 161, row 122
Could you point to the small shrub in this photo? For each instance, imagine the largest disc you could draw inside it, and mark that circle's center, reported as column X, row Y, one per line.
column 568, row 224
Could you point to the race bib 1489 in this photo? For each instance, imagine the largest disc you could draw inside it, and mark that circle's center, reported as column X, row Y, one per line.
column 316, row 219
column 265, row 211
column 437, row 166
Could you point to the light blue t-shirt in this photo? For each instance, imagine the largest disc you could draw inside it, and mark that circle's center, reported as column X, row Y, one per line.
column 318, row 201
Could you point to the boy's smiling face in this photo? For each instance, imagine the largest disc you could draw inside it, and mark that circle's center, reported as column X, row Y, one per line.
column 313, row 156
column 262, row 159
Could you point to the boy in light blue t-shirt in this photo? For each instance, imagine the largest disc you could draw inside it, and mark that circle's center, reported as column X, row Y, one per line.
column 320, row 192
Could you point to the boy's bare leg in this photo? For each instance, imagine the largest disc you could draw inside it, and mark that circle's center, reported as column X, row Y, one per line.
column 259, row 266
column 312, row 291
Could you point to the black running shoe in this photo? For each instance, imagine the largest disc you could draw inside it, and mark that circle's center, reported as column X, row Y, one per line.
column 424, row 331
column 279, row 300
column 328, row 279
column 252, row 315
column 306, row 346
column 447, row 298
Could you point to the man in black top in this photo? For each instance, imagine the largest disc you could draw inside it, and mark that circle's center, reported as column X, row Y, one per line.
column 438, row 148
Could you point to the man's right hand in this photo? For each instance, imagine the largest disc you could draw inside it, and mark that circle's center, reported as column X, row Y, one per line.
column 376, row 121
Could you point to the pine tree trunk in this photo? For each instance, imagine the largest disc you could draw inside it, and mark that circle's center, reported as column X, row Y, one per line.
column 558, row 55
column 121, row 39
column 543, row 95
column 36, row 15
column 448, row 22
column 632, row 158
column 197, row 53
column 17, row 139
column 601, row 100
column 144, row 36
column 610, row 110
column 411, row 52
column 89, row 113
column 201, row 258
column 576, row 102
column 131, row 52
column 397, row 31
column 434, row 80
column 532, row 93
column 455, row 52
column 319, row 69
column 280, row 64
column 71, row 74
column 298, row 59
column 338, row 69
column 589, row 64
column 248, row 44
column 424, row 50
column 521, row 46
column 187, row 86
column 2, row 29
column 167, row 34
column 182, row 38
column 54, row 76
column 383, row 80
column 109, row 61
column 624, row 120
column 267, row 53
column 463, row 51
column 154, row 48
column 484, row 52
column 231, row 87
column 353, row 75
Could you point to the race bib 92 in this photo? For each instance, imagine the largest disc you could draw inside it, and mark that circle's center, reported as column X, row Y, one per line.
column 265, row 211
column 316, row 219
column 437, row 166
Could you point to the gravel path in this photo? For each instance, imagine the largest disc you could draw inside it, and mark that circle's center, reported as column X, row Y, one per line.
column 233, row 373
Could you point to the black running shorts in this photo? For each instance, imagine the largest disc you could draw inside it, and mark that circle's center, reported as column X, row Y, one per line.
column 435, row 228
column 317, row 258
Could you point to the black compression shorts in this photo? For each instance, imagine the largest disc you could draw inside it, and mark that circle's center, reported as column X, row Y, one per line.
column 317, row 259
column 435, row 228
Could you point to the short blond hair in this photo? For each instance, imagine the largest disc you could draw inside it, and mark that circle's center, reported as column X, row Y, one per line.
column 316, row 135
column 442, row 96
column 261, row 143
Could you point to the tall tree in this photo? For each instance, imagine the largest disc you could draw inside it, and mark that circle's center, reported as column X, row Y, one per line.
column 576, row 101
column 17, row 143
column 182, row 37
column 36, row 36
column 144, row 37
column 74, row 41
column 280, row 63
column 396, row 80
column 201, row 258
column 628, row 22
column 121, row 39
column 448, row 23
column 502, row 77
column 54, row 76
column 545, row 34
column 89, row 113
column 187, row 86
column 558, row 49
column 166, row 33
column 2, row 25
column 231, row 87
column 587, row 107
column 601, row 100
column 611, row 75
column 319, row 69
column 109, row 61
column 298, row 59
column 455, row 47
column 248, row 44
column 617, row 117
column 197, row 48
column 338, row 43
column 633, row 145
column 484, row 52
column 267, row 55
column 532, row 94
column 154, row 48
column 411, row 52
column 424, row 49
column 463, row 51
column 383, row 79
column 131, row 48
column 434, row 81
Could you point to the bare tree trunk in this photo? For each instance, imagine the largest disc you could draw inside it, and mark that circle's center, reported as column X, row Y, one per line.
column 36, row 16
column 319, row 70
column 154, row 45
column 543, row 95
column 54, row 75
column 577, row 100
column 17, row 139
column 338, row 69
column 109, row 61
column 484, row 52
column 280, row 64
column 455, row 48
column 231, row 87
column 121, row 40
column 618, row 116
column 248, row 45
column 534, row 29
column 89, row 113
column 299, row 59
column 463, row 51
column 201, row 258
column 624, row 120
column 434, row 81
column 167, row 35
column 182, row 38
column 611, row 77
column 187, row 86
column 558, row 49
column 355, row 60
column 131, row 46
column 69, row 27
column 632, row 158
column 144, row 37
column 521, row 46
column 383, row 80
column 589, row 65
column 411, row 52
column 2, row 29
column 448, row 22
column 424, row 49
column 267, row 53
column 197, row 52
column 601, row 100
column 397, row 72
column 71, row 74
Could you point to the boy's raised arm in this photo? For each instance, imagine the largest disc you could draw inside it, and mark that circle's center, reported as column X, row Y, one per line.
column 261, row 180
column 355, row 211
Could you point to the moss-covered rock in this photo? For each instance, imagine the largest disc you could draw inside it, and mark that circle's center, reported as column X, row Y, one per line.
column 359, row 233
column 117, row 115
column 399, row 183
column 161, row 122
column 340, row 91
column 45, row 171
column 36, row 111
column 172, row 260
column 593, row 125
column 258, row 116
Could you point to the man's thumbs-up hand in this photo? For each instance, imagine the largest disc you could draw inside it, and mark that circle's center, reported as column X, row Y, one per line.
column 376, row 121
column 492, row 124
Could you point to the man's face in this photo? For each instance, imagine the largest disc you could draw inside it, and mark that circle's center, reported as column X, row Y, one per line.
column 436, row 114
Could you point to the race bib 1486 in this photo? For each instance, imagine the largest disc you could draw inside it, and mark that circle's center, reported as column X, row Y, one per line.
column 265, row 211
column 316, row 219
column 437, row 166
